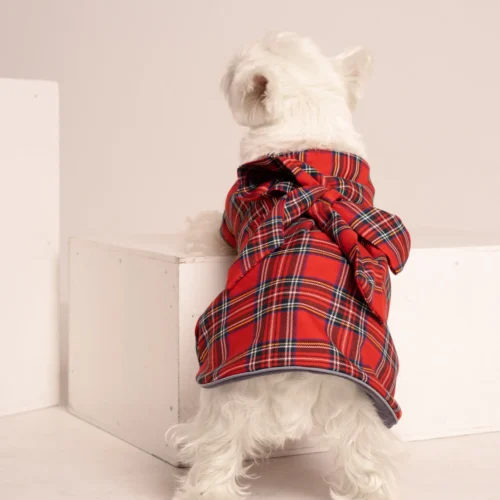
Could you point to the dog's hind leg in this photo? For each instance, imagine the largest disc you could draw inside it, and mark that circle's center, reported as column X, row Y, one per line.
column 216, row 441
column 365, row 453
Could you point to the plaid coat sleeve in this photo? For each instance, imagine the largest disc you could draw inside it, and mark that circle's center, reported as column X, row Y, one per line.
column 227, row 227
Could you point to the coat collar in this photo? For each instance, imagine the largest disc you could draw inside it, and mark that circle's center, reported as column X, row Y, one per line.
column 332, row 163
column 326, row 166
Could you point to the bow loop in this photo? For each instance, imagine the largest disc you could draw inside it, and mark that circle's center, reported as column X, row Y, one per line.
column 373, row 241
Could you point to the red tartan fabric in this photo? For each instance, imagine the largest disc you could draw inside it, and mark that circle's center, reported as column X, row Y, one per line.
column 310, row 289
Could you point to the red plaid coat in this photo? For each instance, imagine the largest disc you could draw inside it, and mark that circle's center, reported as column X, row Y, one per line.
column 310, row 288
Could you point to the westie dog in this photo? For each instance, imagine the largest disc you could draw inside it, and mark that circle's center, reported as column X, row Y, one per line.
column 307, row 298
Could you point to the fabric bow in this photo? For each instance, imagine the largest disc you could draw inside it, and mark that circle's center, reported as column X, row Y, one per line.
column 371, row 239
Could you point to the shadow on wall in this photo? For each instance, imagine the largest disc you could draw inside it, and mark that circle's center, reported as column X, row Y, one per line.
column 64, row 351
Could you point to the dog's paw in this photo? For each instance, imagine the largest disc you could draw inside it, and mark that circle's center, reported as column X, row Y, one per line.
column 218, row 494
column 206, row 496
column 202, row 235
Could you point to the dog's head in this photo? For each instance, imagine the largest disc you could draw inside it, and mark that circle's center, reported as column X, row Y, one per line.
column 285, row 76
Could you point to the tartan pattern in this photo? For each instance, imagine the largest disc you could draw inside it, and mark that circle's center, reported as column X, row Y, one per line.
column 310, row 288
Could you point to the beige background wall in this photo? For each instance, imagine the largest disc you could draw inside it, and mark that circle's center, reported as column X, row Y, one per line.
column 146, row 138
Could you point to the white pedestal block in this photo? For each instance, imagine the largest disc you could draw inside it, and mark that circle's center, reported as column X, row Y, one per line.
column 132, row 358
column 133, row 309
column 29, row 221
column 445, row 315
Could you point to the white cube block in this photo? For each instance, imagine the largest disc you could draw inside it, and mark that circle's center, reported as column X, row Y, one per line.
column 132, row 359
column 133, row 309
column 29, row 218
column 446, row 322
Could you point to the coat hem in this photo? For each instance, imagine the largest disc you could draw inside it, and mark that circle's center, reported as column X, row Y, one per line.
column 384, row 409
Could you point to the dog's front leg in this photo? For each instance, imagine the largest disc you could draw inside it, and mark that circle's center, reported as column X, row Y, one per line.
column 202, row 235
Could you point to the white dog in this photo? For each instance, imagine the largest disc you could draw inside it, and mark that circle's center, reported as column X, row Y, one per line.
column 291, row 98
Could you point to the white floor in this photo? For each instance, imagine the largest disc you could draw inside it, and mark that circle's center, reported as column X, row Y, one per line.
column 50, row 455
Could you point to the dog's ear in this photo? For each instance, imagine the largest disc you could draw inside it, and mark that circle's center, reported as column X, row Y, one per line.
column 248, row 95
column 354, row 65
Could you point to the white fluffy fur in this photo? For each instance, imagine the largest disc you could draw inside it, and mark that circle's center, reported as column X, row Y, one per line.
column 202, row 236
column 291, row 98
